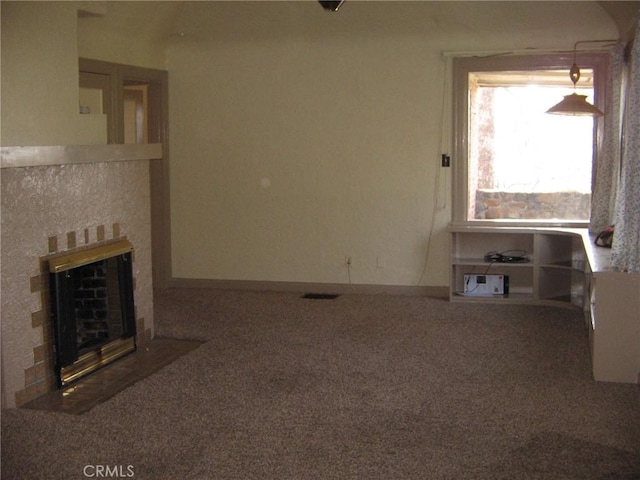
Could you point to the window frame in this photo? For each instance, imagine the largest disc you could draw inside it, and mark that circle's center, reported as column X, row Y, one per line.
column 462, row 66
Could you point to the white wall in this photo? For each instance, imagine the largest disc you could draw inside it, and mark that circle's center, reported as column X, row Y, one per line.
column 40, row 77
column 300, row 136
column 130, row 33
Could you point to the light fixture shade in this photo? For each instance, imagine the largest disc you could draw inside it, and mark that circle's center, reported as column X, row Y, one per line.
column 331, row 5
column 575, row 105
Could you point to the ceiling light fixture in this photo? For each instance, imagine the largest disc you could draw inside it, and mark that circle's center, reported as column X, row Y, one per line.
column 574, row 104
column 331, row 5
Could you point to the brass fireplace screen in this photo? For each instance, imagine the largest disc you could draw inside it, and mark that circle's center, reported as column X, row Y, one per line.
column 93, row 309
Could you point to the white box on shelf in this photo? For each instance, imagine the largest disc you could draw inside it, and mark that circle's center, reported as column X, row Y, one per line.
column 485, row 285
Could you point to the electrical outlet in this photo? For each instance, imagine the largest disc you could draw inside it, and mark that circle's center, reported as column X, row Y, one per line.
column 347, row 261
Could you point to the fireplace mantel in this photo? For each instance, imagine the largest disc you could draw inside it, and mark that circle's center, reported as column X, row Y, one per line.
column 18, row 157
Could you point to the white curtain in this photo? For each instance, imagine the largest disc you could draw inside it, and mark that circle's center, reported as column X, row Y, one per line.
column 607, row 167
column 625, row 255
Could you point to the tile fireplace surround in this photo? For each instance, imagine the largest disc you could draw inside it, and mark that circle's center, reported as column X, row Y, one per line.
column 57, row 199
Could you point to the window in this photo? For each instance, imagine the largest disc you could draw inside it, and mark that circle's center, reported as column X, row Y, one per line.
column 513, row 162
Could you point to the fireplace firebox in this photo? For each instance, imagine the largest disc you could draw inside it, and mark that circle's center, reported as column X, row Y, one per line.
column 93, row 309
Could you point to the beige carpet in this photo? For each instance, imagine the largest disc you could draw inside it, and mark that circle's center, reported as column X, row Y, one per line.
column 359, row 387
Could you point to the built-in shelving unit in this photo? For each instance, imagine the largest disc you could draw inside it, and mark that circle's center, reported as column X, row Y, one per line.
column 554, row 269
column 563, row 269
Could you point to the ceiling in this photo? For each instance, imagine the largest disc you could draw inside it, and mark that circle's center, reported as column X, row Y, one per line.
column 178, row 18
column 623, row 13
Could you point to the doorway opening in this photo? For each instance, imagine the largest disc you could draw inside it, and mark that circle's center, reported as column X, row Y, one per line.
column 135, row 101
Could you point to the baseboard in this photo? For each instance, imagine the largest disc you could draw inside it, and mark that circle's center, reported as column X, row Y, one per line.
column 340, row 288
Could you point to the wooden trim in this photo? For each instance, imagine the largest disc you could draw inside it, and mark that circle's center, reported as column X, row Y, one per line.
column 111, row 108
column 120, row 75
column 340, row 288
column 462, row 66
column 157, row 82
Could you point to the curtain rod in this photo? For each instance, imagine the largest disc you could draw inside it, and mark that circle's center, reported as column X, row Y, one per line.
column 499, row 53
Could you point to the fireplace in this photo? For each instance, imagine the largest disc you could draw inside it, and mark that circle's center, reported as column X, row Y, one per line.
column 92, row 307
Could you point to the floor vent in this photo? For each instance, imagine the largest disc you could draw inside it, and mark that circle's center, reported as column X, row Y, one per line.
column 320, row 296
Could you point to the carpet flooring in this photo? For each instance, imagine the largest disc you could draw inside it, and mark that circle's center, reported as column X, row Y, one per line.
column 357, row 387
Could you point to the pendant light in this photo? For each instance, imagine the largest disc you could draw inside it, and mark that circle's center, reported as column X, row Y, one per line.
column 574, row 104
column 331, row 5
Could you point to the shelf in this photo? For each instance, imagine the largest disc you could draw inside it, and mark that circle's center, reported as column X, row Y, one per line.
column 482, row 262
column 509, row 295
column 510, row 298
column 576, row 300
column 554, row 274
column 18, row 157
column 563, row 264
column 568, row 265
